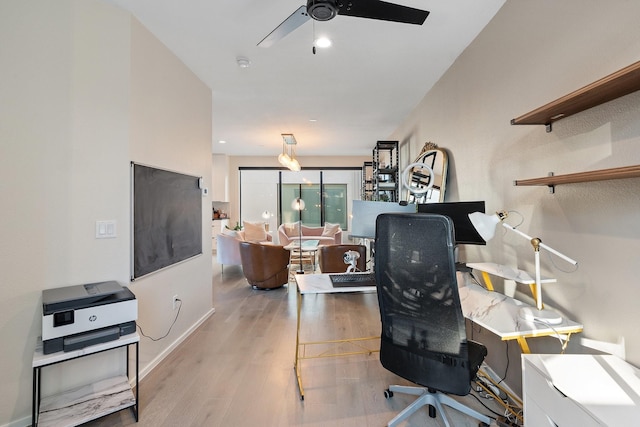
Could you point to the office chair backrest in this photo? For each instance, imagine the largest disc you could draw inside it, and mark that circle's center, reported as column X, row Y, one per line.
column 423, row 329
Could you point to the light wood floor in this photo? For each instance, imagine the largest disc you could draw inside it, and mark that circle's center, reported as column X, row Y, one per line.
column 237, row 368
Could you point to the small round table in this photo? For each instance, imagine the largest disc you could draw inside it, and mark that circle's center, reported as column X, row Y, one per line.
column 298, row 254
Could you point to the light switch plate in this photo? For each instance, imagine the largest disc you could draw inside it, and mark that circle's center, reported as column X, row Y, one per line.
column 106, row 229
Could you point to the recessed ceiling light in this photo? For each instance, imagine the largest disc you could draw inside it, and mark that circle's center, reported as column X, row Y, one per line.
column 313, row 120
column 323, row 42
column 222, row 141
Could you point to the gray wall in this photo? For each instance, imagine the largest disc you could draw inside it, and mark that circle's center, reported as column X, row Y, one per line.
column 532, row 53
column 86, row 89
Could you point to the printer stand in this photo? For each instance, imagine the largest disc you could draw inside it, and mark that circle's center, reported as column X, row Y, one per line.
column 83, row 404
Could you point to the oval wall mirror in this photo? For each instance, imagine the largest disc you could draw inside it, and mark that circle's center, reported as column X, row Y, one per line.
column 429, row 171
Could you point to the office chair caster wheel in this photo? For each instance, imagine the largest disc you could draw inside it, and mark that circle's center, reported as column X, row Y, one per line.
column 388, row 394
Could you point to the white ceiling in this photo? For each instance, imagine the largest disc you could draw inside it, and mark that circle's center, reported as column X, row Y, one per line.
column 359, row 90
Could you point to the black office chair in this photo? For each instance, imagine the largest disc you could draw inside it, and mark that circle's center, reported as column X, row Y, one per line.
column 423, row 329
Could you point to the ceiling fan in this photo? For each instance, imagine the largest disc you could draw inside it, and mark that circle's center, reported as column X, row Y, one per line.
column 324, row 10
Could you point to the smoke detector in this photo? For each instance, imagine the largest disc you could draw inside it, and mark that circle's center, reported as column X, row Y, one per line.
column 243, row 62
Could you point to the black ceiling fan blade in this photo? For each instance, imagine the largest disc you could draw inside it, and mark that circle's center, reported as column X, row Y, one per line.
column 294, row 20
column 377, row 9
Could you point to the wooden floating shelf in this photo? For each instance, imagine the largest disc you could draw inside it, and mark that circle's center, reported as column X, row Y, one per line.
column 597, row 175
column 620, row 83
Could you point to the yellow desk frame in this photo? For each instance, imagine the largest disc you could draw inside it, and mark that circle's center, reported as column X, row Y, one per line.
column 321, row 284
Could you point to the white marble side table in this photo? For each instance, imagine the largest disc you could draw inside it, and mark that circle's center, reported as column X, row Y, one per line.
column 89, row 402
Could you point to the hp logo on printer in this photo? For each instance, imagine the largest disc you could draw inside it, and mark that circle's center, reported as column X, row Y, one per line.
column 93, row 318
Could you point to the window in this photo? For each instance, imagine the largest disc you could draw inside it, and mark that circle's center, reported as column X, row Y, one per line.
column 335, row 204
column 327, row 194
column 323, row 203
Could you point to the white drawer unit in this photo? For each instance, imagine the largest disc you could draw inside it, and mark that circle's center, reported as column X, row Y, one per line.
column 579, row 390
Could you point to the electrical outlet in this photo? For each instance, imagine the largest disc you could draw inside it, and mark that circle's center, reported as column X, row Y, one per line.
column 175, row 301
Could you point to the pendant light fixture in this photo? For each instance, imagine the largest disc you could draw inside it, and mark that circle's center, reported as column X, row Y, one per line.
column 288, row 156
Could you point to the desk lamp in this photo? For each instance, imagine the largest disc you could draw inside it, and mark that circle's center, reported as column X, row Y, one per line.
column 486, row 227
column 298, row 205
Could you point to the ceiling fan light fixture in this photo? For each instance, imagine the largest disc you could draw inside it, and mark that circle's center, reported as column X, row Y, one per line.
column 322, row 10
column 323, row 42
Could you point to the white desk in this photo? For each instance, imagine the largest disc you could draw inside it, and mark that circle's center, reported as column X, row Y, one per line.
column 579, row 390
column 321, row 284
column 498, row 313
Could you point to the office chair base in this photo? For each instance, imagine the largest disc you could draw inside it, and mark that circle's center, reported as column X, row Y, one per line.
column 434, row 399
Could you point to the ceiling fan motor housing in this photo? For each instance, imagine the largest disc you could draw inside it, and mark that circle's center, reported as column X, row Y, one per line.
column 322, row 10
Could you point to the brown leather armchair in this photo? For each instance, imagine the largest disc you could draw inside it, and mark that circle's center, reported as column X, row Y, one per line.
column 265, row 266
column 331, row 261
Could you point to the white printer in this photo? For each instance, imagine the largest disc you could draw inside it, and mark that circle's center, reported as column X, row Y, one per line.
column 74, row 317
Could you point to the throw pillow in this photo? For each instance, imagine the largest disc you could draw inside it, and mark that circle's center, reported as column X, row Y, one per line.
column 330, row 230
column 254, row 231
column 292, row 229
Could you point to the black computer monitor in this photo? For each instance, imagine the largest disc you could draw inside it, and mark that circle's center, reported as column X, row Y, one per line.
column 465, row 232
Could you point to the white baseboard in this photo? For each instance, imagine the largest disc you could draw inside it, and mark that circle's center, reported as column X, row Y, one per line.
column 159, row 358
column 26, row 421
column 23, row 422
